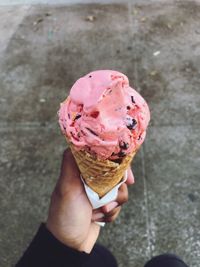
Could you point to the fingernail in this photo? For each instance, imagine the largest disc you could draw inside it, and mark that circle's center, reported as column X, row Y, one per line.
column 97, row 216
column 111, row 206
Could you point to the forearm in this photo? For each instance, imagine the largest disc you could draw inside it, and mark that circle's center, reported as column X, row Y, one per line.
column 46, row 251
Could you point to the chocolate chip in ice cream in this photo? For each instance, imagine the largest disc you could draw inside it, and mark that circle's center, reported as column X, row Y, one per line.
column 92, row 132
column 121, row 154
column 132, row 99
column 77, row 117
column 130, row 123
column 123, row 145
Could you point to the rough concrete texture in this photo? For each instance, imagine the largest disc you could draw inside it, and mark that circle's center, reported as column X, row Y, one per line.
column 44, row 49
column 72, row 2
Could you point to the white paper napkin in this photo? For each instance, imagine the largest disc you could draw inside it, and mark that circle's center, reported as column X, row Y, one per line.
column 98, row 202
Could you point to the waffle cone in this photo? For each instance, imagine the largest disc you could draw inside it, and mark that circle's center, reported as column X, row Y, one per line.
column 100, row 175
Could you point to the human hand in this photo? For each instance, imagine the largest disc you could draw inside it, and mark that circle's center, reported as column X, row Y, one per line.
column 71, row 218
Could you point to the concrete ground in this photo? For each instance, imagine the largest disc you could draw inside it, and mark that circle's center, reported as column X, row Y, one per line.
column 43, row 50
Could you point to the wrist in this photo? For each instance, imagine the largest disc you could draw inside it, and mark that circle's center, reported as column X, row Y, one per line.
column 64, row 238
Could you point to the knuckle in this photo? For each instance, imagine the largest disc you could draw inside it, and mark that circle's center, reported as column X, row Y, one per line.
column 59, row 192
column 112, row 215
column 123, row 198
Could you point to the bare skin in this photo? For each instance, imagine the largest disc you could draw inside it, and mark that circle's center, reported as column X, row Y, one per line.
column 71, row 218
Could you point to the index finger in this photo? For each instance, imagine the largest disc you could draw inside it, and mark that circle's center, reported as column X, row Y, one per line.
column 130, row 179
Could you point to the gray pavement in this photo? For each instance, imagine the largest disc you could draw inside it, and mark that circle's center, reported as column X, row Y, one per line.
column 43, row 50
column 72, row 2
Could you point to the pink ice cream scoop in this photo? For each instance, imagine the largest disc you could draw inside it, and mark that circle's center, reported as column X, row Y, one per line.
column 104, row 115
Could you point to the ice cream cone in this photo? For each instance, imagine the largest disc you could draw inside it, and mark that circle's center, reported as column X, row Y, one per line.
column 100, row 175
column 104, row 121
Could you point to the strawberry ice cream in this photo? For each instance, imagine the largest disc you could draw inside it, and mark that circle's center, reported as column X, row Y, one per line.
column 104, row 116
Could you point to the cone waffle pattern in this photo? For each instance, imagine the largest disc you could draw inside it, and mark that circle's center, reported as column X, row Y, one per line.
column 100, row 175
